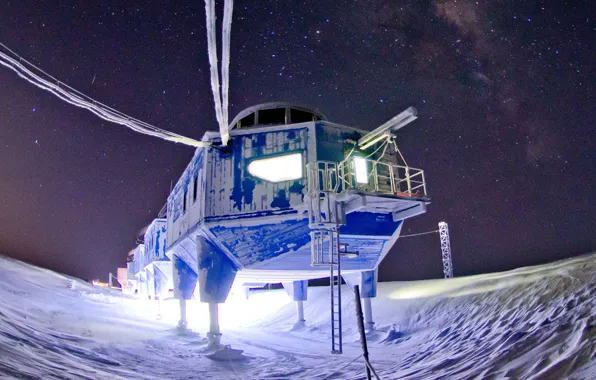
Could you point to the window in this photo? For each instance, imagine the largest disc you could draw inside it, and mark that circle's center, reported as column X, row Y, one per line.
column 299, row 116
column 195, row 187
column 277, row 169
column 184, row 201
column 247, row 121
column 275, row 116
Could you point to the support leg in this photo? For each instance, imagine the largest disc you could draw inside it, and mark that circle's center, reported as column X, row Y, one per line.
column 367, row 282
column 298, row 290
column 368, row 318
column 185, row 281
column 300, row 310
column 214, row 334
column 216, row 276
column 182, row 323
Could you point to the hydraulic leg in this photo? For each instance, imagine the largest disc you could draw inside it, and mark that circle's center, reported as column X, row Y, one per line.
column 214, row 335
column 367, row 282
column 185, row 281
column 298, row 291
column 216, row 276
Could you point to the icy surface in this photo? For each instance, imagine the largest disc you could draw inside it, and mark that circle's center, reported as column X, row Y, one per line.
column 535, row 322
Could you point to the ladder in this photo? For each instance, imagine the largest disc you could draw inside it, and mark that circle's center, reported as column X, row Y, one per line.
column 325, row 217
column 335, row 291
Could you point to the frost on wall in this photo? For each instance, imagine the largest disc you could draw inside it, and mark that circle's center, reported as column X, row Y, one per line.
column 155, row 241
column 233, row 190
column 186, row 201
column 255, row 244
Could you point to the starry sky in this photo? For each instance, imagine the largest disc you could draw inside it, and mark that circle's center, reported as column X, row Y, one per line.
column 505, row 93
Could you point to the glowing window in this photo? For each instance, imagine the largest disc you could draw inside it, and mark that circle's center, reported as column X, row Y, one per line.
column 277, row 169
column 361, row 169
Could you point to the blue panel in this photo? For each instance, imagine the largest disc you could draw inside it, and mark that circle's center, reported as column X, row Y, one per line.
column 367, row 281
column 185, row 279
column 331, row 145
column 255, row 244
column 368, row 284
column 232, row 189
column 370, row 224
column 216, row 272
column 370, row 249
column 162, row 280
column 298, row 290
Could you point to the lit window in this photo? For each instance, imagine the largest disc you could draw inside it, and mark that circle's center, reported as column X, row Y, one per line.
column 277, row 169
column 361, row 169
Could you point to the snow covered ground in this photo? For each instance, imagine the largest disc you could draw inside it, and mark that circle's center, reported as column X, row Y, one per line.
column 537, row 322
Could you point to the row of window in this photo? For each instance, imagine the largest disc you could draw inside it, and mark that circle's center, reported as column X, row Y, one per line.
column 195, row 190
column 277, row 116
column 273, row 169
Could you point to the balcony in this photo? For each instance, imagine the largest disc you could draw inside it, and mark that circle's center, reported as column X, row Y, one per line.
column 365, row 175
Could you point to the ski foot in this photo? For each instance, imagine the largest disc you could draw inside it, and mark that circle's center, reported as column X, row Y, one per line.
column 227, row 353
column 299, row 326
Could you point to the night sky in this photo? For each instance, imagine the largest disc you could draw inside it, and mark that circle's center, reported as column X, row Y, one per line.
column 505, row 93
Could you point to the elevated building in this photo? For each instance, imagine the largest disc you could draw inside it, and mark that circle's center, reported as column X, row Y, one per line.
column 292, row 197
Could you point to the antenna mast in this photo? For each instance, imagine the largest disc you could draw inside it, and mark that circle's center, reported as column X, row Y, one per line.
column 446, row 250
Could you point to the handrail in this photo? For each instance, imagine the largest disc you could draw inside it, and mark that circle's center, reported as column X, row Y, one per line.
column 381, row 177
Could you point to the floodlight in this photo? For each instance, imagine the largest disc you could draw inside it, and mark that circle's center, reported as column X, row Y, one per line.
column 361, row 169
column 399, row 121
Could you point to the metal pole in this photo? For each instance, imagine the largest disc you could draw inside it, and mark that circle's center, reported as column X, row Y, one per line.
column 214, row 334
column 360, row 320
column 300, row 310
column 182, row 323
column 368, row 318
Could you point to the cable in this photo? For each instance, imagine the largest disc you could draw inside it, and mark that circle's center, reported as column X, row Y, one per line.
column 422, row 233
column 383, row 145
column 399, row 152
column 43, row 80
column 220, row 94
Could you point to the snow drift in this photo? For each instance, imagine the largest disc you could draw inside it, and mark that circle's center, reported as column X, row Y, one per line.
column 530, row 323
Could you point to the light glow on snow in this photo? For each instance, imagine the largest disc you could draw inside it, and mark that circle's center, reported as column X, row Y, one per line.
column 277, row 169
column 529, row 323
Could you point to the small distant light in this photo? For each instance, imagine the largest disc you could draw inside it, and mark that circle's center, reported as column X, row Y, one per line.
column 33, row 110
column 361, row 170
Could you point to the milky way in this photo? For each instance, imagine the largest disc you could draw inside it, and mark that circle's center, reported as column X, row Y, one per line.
column 505, row 94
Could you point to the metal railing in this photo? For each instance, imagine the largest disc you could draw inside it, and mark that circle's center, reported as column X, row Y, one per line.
column 379, row 177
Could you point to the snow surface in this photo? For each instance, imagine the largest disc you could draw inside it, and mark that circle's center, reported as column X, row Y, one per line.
column 530, row 323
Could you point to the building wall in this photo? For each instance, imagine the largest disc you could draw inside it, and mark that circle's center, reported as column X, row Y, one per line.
column 137, row 263
column 155, row 241
column 181, row 219
column 232, row 190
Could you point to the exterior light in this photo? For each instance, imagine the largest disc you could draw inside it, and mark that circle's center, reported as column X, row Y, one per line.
column 361, row 169
column 277, row 169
